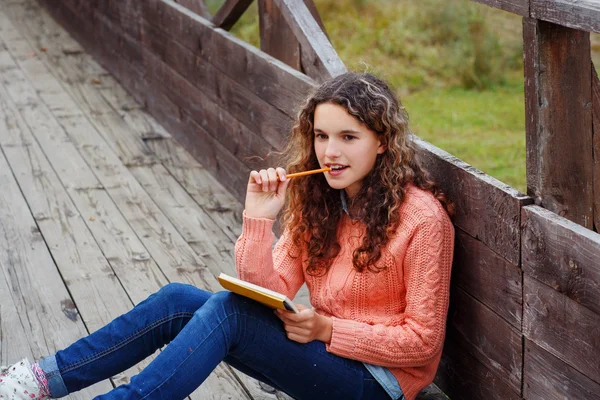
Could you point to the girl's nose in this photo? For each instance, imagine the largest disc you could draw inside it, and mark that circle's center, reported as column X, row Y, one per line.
column 332, row 150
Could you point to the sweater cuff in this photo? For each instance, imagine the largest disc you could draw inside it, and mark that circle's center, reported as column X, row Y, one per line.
column 257, row 229
column 342, row 337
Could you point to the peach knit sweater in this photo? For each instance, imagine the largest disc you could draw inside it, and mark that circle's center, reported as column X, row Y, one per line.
column 395, row 318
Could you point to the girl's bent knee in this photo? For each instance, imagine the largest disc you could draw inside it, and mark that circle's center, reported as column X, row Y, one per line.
column 226, row 296
column 180, row 293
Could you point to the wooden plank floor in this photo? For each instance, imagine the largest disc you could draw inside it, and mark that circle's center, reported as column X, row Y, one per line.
column 99, row 206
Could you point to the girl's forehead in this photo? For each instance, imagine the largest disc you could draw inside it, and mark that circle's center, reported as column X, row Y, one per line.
column 333, row 114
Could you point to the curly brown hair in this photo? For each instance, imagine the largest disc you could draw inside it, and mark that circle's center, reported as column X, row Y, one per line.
column 313, row 209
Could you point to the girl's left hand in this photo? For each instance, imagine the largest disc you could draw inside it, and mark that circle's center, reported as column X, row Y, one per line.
column 306, row 326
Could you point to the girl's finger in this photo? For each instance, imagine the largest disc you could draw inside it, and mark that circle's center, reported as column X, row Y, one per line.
column 281, row 174
column 296, row 330
column 255, row 177
column 289, row 317
column 264, row 176
column 297, row 338
column 273, row 181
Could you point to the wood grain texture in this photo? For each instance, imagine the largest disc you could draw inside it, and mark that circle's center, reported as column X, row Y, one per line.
column 255, row 113
column 547, row 377
column 581, row 14
column 197, row 6
column 461, row 376
column 319, row 58
column 487, row 337
column 485, row 208
column 229, row 13
column 276, row 37
column 488, row 277
column 519, row 7
column 596, row 135
column 271, row 80
column 47, row 314
column 563, row 255
column 559, row 123
column 562, row 327
column 247, row 146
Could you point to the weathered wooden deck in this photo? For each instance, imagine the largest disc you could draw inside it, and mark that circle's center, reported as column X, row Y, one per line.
column 99, row 206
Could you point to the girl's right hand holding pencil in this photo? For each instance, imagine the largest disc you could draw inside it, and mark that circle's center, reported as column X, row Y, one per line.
column 265, row 195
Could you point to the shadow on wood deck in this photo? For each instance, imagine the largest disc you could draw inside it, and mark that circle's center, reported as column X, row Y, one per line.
column 99, row 205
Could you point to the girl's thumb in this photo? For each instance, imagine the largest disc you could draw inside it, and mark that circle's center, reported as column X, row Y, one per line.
column 283, row 187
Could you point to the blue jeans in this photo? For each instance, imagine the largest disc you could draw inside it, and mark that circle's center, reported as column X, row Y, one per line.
column 202, row 330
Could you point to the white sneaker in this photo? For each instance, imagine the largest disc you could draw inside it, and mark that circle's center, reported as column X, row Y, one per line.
column 17, row 382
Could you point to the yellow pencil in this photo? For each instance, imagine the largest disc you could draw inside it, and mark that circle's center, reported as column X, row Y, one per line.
column 314, row 171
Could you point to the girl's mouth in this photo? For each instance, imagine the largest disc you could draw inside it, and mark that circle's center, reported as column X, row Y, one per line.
column 337, row 169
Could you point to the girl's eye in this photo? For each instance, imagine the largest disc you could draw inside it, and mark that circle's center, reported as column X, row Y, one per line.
column 349, row 137
column 320, row 136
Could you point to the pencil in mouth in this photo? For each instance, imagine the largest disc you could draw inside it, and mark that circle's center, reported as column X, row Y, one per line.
column 313, row 171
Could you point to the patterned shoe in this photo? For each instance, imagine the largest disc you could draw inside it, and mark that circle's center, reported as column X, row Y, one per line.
column 17, row 382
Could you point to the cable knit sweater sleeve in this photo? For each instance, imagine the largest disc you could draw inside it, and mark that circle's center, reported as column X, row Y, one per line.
column 418, row 339
column 257, row 262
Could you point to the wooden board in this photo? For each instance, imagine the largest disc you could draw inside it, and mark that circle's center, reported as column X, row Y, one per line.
column 228, row 170
column 520, row 7
column 255, row 113
column 562, row 327
column 486, row 208
column 547, row 377
column 488, row 277
column 581, row 14
column 266, row 77
column 186, row 130
column 276, row 37
column 242, row 142
column 49, row 317
column 563, row 255
column 487, row 337
column 596, row 133
column 201, row 185
column 559, row 119
column 196, row 6
column 208, row 95
column 319, row 58
column 461, row 376
column 196, row 227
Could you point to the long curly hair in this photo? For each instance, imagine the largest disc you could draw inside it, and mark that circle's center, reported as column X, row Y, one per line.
column 313, row 209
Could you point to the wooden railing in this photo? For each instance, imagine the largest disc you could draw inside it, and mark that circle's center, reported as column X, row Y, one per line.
column 524, row 320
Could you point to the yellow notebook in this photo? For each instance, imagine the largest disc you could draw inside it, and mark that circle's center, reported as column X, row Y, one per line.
column 257, row 293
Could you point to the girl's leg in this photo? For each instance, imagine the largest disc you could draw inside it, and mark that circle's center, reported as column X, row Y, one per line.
column 246, row 333
column 125, row 341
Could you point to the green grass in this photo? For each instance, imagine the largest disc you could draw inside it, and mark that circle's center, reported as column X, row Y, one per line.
column 457, row 66
column 485, row 129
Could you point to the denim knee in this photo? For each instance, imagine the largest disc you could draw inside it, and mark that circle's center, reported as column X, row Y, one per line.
column 182, row 294
column 226, row 297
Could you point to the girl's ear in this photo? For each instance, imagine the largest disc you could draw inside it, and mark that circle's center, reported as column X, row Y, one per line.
column 382, row 148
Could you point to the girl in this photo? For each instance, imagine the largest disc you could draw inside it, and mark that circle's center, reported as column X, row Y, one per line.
column 372, row 240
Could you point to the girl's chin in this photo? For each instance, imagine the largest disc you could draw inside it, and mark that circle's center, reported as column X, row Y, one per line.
column 334, row 184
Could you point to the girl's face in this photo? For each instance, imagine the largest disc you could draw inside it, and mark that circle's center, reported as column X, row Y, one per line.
column 345, row 145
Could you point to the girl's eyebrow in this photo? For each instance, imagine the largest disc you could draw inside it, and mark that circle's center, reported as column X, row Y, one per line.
column 343, row 132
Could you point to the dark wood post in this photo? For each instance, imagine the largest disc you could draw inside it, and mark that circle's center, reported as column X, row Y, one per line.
column 596, row 124
column 558, row 103
column 277, row 38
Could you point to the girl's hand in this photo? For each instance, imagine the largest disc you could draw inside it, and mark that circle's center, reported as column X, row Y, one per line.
column 265, row 195
column 306, row 326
